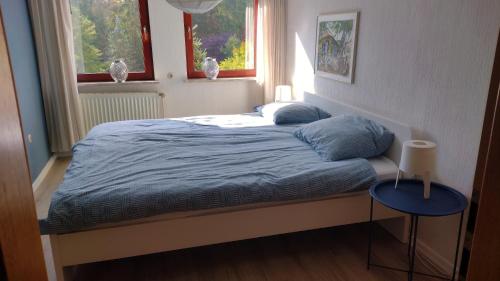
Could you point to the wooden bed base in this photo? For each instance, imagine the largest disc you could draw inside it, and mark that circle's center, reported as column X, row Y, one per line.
column 140, row 238
column 167, row 235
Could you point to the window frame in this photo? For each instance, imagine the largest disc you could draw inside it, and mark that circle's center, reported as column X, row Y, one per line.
column 148, row 73
column 194, row 74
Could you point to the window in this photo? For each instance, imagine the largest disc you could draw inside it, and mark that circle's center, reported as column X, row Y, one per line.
column 107, row 30
column 227, row 33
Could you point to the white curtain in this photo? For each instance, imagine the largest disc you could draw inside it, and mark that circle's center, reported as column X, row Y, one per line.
column 54, row 43
column 271, row 46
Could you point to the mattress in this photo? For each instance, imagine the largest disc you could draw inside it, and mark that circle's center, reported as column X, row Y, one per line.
column 384, row 167
column 139, row 170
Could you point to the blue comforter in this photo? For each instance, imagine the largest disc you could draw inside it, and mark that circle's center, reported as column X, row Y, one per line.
column 136, row 169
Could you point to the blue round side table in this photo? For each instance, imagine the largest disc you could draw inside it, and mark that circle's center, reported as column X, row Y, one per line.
column 408, row 198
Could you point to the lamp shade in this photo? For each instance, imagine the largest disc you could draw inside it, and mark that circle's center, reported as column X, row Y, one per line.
column 283, row 93
column 418, row 157
column 194, row 6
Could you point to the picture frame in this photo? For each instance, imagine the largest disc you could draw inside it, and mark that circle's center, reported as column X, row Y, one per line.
column 336, row 44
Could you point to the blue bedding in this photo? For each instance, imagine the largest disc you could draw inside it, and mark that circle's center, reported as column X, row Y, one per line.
column 136, row 169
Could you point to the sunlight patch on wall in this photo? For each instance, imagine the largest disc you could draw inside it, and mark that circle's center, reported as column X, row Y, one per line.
column 303, row 76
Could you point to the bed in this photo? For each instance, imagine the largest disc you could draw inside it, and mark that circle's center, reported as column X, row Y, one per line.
column 241, row 178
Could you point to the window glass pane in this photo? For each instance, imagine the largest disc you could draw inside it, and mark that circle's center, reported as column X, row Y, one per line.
column 227, row 34
column 105, row 30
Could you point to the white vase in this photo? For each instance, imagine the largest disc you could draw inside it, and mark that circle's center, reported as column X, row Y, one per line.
column 211, row 68
column 118, row 71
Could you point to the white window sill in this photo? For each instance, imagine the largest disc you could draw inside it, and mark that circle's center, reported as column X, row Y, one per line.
column 221, row 80
column 87, row 85
column 146, row 82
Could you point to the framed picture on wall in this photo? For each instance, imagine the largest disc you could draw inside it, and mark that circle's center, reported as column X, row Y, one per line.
column 336, row 38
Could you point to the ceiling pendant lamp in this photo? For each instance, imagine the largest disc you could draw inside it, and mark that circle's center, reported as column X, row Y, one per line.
column 194, row 6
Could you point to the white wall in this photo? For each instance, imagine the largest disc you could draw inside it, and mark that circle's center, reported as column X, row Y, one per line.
column 186, row 98
column 426, row 63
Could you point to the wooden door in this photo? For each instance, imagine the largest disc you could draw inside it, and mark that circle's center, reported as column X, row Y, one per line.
column 484, row 262
column 19, row 234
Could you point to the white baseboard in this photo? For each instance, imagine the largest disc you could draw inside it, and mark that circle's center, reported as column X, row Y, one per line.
column 436, row 260
column 44, row 173
column 64, row 154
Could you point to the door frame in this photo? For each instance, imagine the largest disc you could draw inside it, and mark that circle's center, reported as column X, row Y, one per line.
column 485, row 251
column 20, row 239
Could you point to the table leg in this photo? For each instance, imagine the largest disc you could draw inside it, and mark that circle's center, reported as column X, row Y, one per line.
column 414, row 248
column 457, row 249
column 410, row 239
column 370, row 235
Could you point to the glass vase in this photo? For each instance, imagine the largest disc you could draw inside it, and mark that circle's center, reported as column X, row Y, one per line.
column 211, row 68
column 118, row 71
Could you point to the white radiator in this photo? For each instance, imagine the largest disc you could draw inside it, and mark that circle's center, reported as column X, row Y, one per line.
column 107, row 107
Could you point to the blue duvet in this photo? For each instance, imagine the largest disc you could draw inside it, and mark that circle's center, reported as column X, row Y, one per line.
column 136, row 169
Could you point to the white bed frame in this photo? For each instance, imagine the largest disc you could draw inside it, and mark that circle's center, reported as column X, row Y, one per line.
column 140, row 238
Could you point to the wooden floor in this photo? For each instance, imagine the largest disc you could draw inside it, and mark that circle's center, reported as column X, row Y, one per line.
column 332, row 254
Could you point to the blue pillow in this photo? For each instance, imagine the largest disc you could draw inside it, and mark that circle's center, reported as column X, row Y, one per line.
column 345, row 137
column 292, row 113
